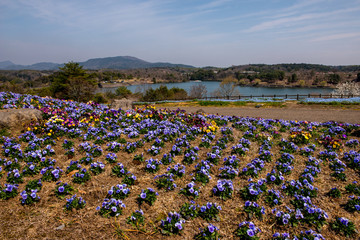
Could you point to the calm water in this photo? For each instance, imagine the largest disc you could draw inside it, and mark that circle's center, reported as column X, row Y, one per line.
column 211, row 86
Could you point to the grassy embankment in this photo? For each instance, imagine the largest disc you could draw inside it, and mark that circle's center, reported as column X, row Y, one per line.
column 275, row 104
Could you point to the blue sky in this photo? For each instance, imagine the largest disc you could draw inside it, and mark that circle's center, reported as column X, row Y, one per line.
column 197, row 32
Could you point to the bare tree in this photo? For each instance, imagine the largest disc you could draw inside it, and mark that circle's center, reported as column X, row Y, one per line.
column 347, row 88
column 198, row 91
column 227, row 88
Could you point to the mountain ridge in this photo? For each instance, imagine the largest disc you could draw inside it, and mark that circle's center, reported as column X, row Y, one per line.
column 130, row 62
column 118, row 62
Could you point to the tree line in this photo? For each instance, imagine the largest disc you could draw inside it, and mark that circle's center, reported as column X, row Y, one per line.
column 74, row 82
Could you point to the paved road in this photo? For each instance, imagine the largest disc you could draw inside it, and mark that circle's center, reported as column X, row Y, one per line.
column 313, row 115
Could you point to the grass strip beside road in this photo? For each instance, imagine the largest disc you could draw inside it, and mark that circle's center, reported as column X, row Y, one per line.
column 274, row 104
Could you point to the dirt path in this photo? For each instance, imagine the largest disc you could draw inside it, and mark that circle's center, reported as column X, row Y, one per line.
column 299, row 113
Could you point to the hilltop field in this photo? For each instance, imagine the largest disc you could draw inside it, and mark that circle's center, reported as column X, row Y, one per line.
column 85, row 171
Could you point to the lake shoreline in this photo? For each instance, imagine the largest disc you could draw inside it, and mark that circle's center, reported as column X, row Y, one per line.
column 142, row 82
column 213, row 86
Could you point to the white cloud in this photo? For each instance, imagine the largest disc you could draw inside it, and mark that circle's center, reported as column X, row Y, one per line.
column 300, row 19
column 172, row 29
column 336, row 37
column 213, row 4
column 278, row 22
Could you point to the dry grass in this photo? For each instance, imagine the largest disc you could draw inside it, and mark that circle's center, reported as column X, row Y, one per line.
column 286, row 105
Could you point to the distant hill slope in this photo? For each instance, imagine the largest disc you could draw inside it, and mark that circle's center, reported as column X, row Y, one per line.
column 289, row 67
column 128, row 62
column 125, row 62
column 6, row 64
column 120, row 62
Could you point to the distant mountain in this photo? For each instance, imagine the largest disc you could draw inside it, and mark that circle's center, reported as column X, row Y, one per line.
column 128, row 62
column 6, row 64
column 120, row 62
column 291, row 67
column 125, row 62
column 45, row 66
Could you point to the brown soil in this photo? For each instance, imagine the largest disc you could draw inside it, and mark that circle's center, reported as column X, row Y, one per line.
column 291, row 111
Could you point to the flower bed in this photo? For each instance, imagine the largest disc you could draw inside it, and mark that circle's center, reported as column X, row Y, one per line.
column 160, row 174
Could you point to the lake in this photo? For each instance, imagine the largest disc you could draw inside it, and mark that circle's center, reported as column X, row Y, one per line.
column 211, row 86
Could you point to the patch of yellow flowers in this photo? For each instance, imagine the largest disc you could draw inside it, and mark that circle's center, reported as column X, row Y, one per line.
column 55, row 119
column 306, row 135
column 212, row 128
column 136, row 116
column 336, row 145
column 90, row 120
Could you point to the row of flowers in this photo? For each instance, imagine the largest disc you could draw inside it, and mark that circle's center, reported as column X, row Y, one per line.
column 99, row 128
